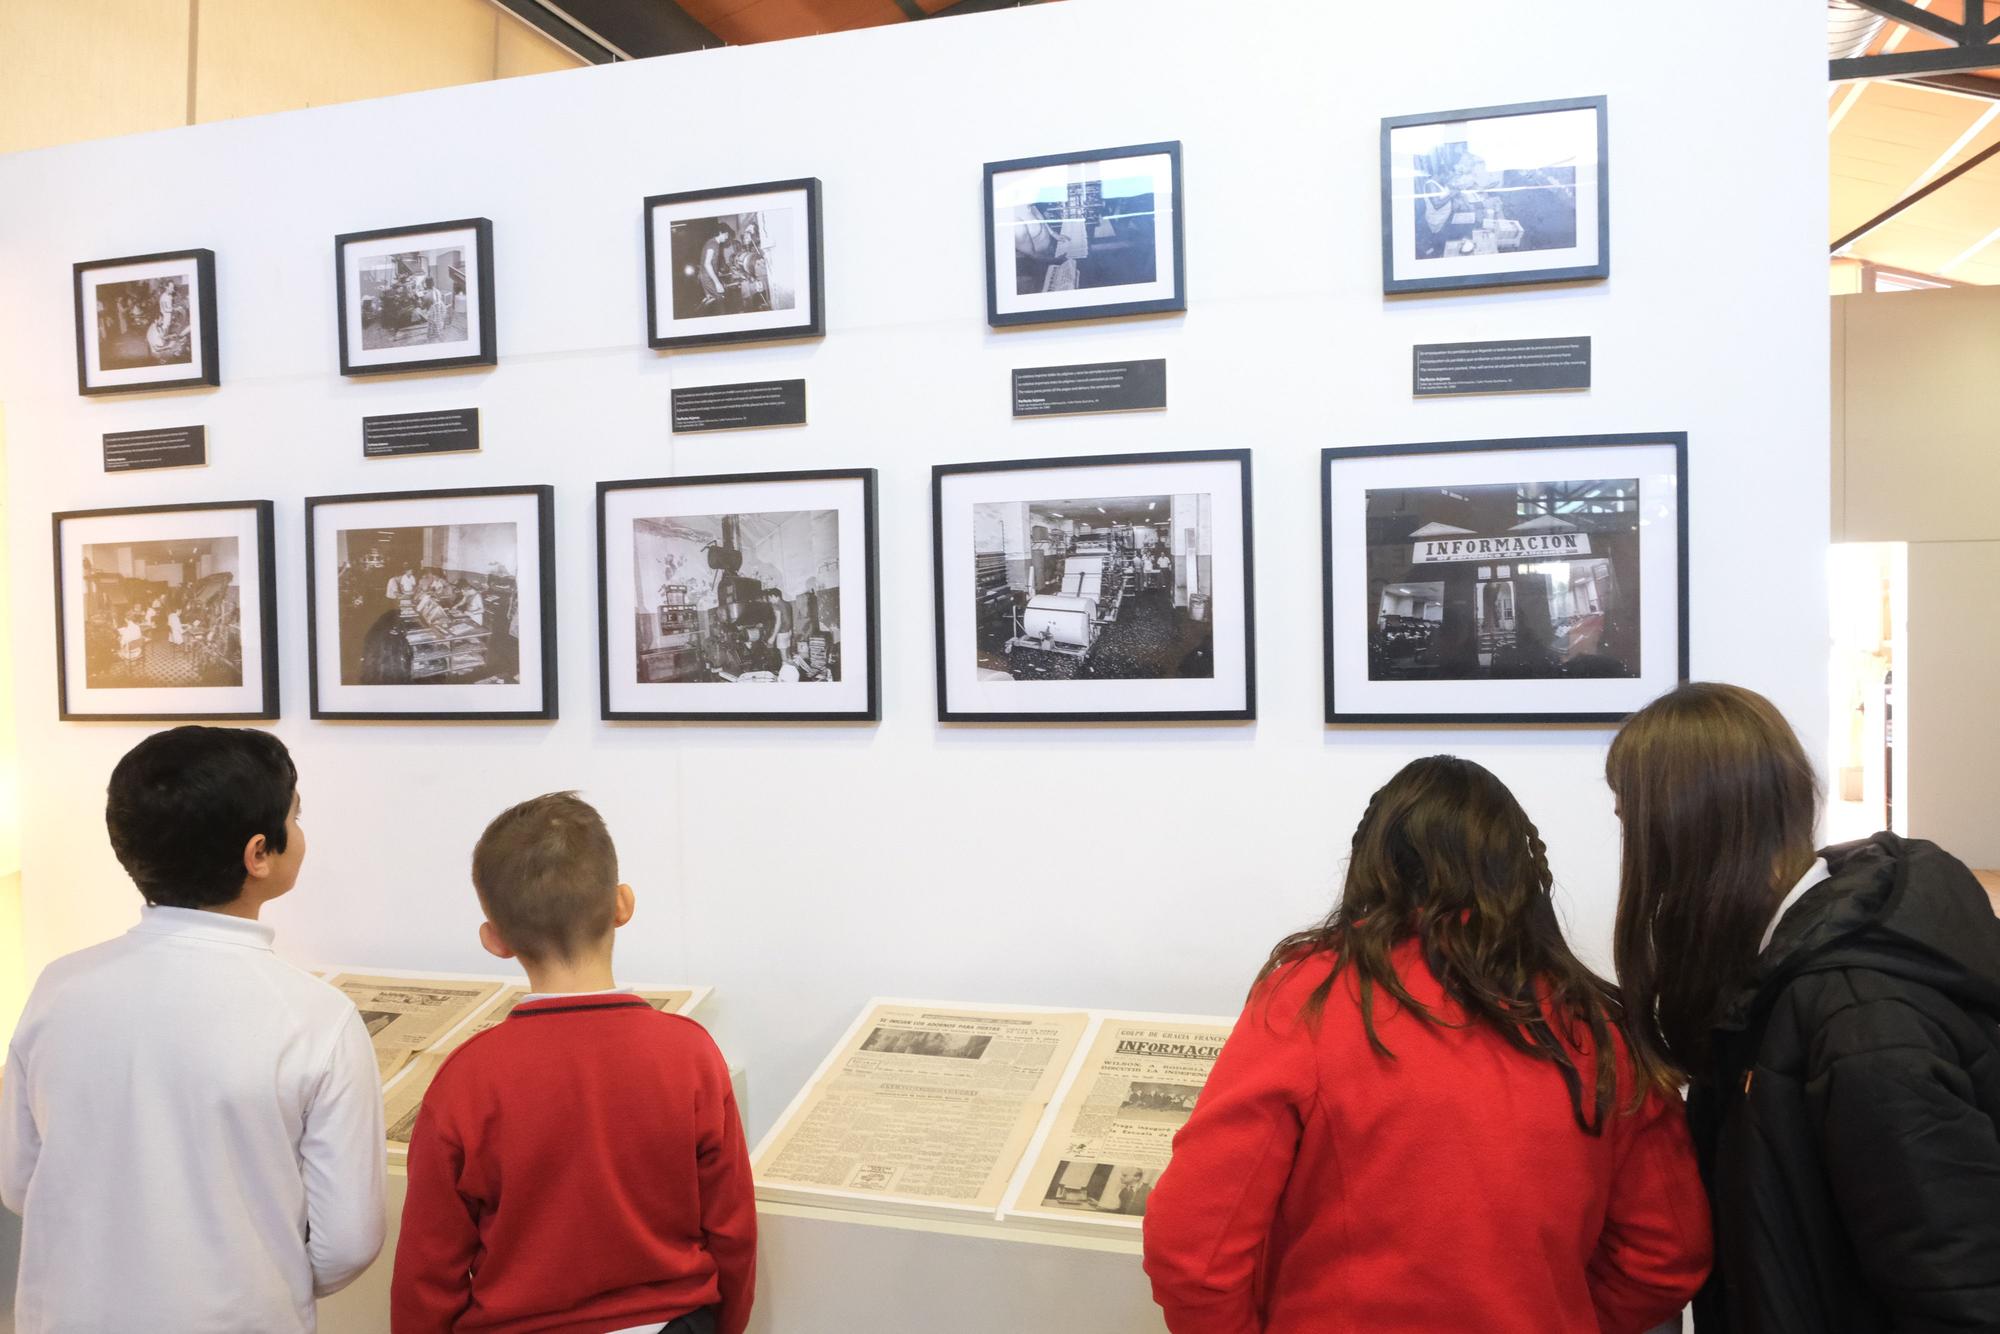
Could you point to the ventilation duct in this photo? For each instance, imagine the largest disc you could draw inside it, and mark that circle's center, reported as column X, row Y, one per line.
column 1849, row 29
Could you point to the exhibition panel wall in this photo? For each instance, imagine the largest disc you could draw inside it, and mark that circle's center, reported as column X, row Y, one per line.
column 801, row 868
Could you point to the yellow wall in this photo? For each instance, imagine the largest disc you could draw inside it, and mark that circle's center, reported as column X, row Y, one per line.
column 85, row 69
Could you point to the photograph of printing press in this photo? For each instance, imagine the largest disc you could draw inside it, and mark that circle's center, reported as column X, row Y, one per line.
column 1098, row 588
column 437, row 605
column 738, row 599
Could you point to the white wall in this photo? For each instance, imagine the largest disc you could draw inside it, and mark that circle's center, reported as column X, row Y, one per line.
column 1914, row 461
column 802, row 869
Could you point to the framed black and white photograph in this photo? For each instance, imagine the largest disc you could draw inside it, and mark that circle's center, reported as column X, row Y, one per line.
column 432, row 604
column 1112, row 588
column 167, row 612
column 744, row 597
column 1524, row 581
column 1496, row 196
column 416, row 298
column 1081, row 236
column 735, row 265
column 146, row 322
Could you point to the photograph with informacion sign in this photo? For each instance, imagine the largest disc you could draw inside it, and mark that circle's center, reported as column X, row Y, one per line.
column 416, row 298
column 1504, row 580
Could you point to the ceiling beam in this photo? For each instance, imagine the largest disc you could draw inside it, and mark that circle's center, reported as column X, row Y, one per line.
column 1970, row 39
column 602, row 31
column 1915, row 197
column 1966, row 85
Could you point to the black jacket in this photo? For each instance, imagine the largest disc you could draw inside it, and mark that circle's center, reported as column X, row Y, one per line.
column 1849, row 1130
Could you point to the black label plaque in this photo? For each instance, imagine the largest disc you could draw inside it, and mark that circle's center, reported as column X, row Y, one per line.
column 1511, row 366
column 139, row 451
column 455, row 432
column 1101, row 386
column 737, row 407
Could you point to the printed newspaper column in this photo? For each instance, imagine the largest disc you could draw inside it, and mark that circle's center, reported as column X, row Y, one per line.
column 404, row 1015
column 404, row 1096
column 921, row 1105
column 1102, row 1150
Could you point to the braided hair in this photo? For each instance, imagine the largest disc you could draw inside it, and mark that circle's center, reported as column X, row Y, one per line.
column 1444, row 855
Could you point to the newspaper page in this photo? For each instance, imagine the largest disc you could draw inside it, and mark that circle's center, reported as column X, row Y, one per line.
column 922, row 1105
column 404, row 1015
column 405, row 1094
column 1103, row 1148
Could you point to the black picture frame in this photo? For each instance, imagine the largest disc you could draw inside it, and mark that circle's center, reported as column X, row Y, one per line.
column 946, row 713
column 1392, row 285
column 489, row 351
column 1336, row 716
column 658, row 248
column 267, row 615
column 998, row 319
column 209, row 337
column 545, row 617
column 871, row 630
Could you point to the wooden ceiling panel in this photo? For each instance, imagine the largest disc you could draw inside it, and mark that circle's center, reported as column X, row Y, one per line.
column 742, row 22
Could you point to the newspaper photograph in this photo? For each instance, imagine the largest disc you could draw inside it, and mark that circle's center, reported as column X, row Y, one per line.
column 925, row 1105
column 402, row 1098
column 1104, row 1147
column 404, row 1015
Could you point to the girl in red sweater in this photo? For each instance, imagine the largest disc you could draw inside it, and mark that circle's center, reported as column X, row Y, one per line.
column 1426, row 1118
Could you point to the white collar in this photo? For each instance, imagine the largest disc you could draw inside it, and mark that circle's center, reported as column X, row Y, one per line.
column 200, row 924
column 572, row 995
column 1813, row 877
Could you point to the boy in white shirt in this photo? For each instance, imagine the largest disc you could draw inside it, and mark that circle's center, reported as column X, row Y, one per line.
column 191, row 1127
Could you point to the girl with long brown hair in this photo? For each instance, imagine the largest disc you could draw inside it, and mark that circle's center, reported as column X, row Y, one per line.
column 1425, row 1118
column 1836, row 1014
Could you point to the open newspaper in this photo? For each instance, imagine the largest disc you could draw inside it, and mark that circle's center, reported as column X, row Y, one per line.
column 405, row 1015
column 1098, row 1154
column 927, row 1105
column 404, row 1096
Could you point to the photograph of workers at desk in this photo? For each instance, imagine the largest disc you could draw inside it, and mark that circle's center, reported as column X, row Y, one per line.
column 738, row 599
column 437, row 605
column 1107, row 588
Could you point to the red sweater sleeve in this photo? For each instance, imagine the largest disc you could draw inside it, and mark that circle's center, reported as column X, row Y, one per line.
column 1654, row 1252
column 1208, row 1218
column 728, row 1204
column 432, row 1285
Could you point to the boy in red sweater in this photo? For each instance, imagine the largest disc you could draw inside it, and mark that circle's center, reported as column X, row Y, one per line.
column 627, row 1205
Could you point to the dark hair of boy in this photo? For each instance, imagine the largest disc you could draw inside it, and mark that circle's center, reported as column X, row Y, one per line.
column 183, row 804
column 1445, row 854
column 547, row 875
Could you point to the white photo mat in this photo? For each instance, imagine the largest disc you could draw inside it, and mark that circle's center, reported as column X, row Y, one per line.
column 166, row 526
column 358, row 256
column 625, row 596
column 330, row 519
column 1227, row 690
column 1028, row 185
column 789, row 214
column 1528, row 140
column 1656, row 466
